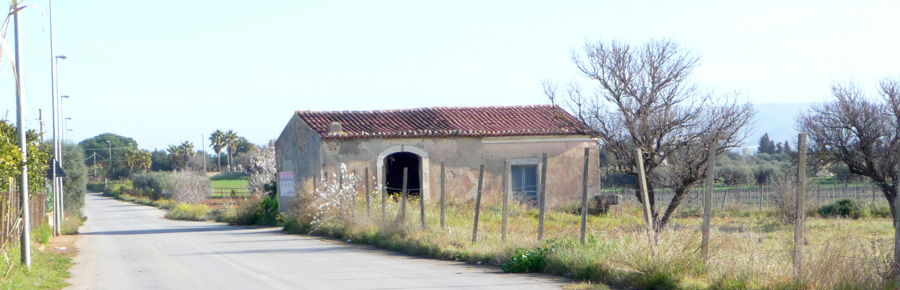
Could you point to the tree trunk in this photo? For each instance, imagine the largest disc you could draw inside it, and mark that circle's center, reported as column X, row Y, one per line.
column 651, row 196
column 230, row 169
column 890, row 193
column 218, row 162
column 670, row 210
column 895, row 214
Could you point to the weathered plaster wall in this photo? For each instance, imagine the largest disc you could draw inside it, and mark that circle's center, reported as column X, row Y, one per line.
column 462, row 157
column 298, row 149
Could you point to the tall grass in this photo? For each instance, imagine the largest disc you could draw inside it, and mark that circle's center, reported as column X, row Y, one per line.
column 749, row 249
column 191, row 212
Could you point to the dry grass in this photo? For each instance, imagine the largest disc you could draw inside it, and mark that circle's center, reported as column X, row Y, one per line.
column 749, row 250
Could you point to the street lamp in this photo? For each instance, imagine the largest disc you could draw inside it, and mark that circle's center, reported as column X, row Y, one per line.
column 57, row 152
column 66, row 125
column 62, row 114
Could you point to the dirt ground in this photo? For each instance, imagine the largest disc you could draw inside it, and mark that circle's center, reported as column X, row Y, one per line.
column 64, row 244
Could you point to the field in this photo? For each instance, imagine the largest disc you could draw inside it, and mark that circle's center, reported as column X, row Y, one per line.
column 750, row 249
column 230, row 188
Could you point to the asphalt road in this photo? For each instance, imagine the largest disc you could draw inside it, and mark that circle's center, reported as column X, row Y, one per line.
column 128, row 246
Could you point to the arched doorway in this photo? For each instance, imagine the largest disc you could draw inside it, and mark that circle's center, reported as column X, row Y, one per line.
column 393, row 175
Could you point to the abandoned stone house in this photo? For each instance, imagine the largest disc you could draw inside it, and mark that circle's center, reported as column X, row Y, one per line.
column 508, row 141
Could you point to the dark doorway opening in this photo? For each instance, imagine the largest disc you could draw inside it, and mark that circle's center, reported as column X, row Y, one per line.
column 393, row 166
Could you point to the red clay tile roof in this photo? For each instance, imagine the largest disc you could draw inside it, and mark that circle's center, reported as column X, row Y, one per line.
column 446, row 122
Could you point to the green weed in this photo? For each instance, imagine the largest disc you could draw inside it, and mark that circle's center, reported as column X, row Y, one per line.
column 191, row 212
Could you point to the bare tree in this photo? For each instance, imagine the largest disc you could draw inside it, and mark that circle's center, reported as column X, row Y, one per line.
column 645, row 100
column 191, row 187
column 863, row 134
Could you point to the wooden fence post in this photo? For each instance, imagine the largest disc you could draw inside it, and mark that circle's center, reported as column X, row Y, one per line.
column 383, row 192
column 442, row 194
column 707, row 198
column 798, row 223
column 542, row 196
column 477, row 204
column 584, row 194
column 642, row 181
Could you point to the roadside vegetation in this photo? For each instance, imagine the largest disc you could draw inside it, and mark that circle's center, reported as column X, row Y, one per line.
column 750, row 248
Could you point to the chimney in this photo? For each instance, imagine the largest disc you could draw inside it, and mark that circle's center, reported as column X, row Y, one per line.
column 334, row 128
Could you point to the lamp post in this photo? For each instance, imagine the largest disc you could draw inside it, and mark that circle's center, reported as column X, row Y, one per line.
column 62, row 116
column 57, row 134
column 65, row 128
column 53, row 63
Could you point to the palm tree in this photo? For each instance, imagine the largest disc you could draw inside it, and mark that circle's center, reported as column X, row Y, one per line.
column 187, row 151
column 144, row 160
column 174, row 155
column 231, row 140
column 217, row 142
column 130, row 159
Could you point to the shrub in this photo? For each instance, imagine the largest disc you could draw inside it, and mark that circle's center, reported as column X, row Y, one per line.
column 191, row 187
column 527, row 261
column 42, row 234
column 845, row 208
column 663, row 261
column 153, row 184
column 333, row 201
column 191, row 212
column 95, row 187
column 784, row 197
column 297, row 226
column 267, row 212
column 75, row 182
column 70, row 224
column 164, row 203
column 252, row 212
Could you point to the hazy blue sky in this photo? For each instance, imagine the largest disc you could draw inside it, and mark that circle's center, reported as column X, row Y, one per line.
column 167, row 71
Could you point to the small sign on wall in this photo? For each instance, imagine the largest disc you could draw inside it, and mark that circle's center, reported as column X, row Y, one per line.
column 286, row 183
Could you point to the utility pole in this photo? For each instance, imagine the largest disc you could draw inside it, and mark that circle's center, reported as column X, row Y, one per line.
column 56, row 194
column 203, row 149
column 41, row 121
column 20, row 120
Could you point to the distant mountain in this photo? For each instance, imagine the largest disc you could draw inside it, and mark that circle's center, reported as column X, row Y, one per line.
column 777, row 119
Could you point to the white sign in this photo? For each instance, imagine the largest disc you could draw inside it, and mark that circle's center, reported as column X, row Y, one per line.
column 286, row 183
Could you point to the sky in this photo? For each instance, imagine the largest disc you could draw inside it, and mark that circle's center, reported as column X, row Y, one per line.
column 167, row 71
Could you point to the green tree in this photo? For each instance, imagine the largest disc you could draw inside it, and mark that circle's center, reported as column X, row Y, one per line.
column 75, row 182
column 159, row 161
column 766, row 145
column 145, row 160
column 11, row 157
column 187, row 151
column 217, row 142
column 109, row 147
column 130, row 159
column 231, row 141
column 174, row 156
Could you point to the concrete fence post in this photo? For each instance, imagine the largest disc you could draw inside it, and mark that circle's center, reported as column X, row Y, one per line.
column 477, row 204
column 542, row 196
column 584, row 194
column 707, row 198
column 798, row 223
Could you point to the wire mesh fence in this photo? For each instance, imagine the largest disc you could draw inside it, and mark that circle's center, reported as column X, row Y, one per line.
column 760, row 197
